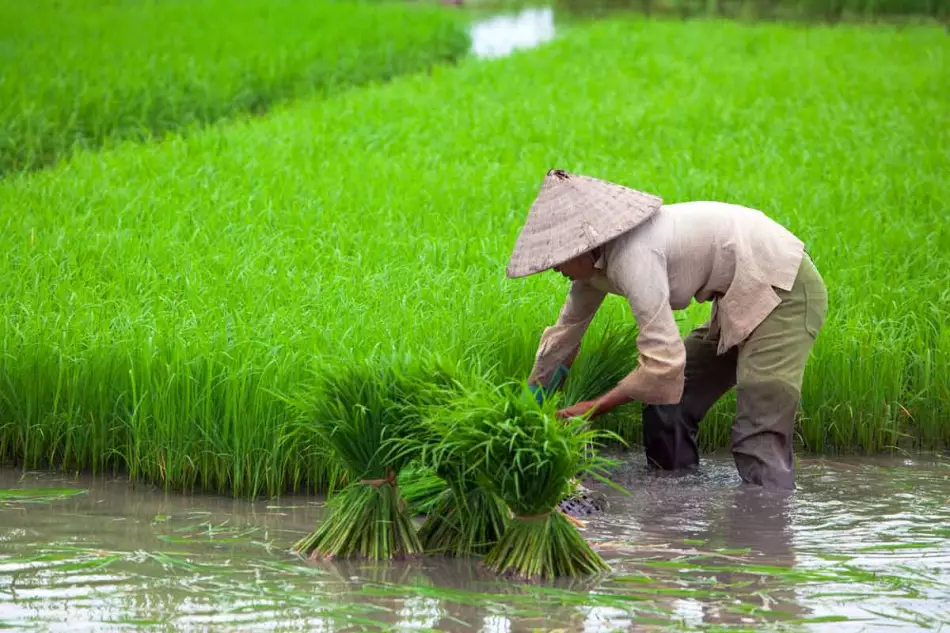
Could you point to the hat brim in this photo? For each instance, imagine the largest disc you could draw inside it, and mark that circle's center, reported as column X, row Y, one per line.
column 573, row 215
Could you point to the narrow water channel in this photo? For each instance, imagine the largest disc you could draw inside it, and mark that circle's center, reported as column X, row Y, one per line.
column 862, row 545
column 505, row 33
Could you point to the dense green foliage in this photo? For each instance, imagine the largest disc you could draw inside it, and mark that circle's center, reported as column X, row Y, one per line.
column 831, row 10
column 82, row 74
column 368, row 421
column 523, row 454
column 466, row 519
column 159, row 299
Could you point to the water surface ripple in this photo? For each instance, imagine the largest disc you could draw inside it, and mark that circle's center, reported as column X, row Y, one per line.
column 862, row 545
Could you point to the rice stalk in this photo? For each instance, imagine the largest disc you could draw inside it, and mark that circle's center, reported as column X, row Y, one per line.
column 467, row 519
column 522, row 453
column 544, row 545
column 604, row 360
column 422, row 488
column 368, row 519
column 602, row 363
column 366, row 414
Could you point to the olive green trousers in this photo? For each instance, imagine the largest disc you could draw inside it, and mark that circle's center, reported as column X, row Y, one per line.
column 766, row 369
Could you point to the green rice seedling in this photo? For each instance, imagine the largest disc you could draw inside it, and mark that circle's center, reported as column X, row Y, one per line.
column 468, row 519
column 603, row 361
column 527, row 457
column 367, row 519
column 359, row 414
column 421, row 488
column 157, row 298
column 368, row 414
column 80, row 75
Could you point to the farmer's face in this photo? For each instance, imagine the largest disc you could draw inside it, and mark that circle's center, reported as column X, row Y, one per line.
column 580, row 268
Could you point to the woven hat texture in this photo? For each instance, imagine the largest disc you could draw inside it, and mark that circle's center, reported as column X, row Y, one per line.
column 573, row 214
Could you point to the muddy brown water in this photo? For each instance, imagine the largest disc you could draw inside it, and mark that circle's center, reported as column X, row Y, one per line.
column 862, row 545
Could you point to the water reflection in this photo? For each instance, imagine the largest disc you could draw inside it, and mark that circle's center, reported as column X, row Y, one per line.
column 863, row 540
column 501, row 35
column 733, row 542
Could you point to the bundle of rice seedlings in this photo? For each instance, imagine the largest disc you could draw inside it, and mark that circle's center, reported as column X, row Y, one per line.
column 528, row 458
column 368, row 417
column 422, row 488
column 601, row 364
column 467, row 519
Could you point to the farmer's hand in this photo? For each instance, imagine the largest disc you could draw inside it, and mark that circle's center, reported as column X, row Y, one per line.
column 580, row 409
column 598, row 406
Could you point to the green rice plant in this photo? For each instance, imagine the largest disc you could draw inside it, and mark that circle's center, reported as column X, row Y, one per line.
column 368, row 415
column 367, row 519
column 462, row 516
column 467, row 517
column 422, row 488
column 527, row 457
column 602, row 362
column 79, row 75
column 812, row 10
column 157, row 299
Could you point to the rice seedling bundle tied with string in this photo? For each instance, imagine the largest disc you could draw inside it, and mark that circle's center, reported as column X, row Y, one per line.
column 367, row 417
column 467, row 518
column 528, row 458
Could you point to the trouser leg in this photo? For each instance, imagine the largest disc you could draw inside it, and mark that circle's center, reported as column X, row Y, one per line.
column 771, row 367
column 669, row 431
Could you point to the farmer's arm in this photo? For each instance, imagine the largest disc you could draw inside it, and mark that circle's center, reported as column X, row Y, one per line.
column 659, row 375
column 561, row 342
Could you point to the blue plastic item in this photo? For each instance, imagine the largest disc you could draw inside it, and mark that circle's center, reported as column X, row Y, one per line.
column 540, row 392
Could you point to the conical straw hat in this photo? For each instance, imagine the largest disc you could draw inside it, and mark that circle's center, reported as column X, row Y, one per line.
column 575, row 214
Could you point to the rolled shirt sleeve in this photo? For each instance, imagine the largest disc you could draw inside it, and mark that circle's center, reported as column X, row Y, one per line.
column 640, row 273
column 561, row 342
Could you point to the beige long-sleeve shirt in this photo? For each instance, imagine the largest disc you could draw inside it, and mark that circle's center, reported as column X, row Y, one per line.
column 709, row 251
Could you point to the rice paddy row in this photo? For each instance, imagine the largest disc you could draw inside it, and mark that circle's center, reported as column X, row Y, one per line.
column 161, row 300
column 83, row 75
column 832, row 10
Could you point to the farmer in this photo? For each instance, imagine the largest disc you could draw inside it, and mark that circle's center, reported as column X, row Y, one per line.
column 768, row 305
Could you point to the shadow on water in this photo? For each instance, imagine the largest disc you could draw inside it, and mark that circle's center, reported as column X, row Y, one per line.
column 862, row 545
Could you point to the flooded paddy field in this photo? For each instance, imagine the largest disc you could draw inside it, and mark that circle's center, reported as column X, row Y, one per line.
column 861, row 545
column 164, row 297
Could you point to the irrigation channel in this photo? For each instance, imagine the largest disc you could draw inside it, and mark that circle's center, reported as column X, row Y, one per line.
column 502, row 34
column 497, row 30
column 862, row 545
